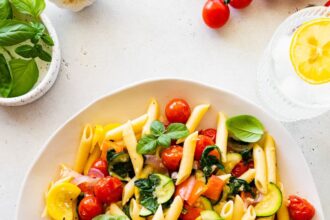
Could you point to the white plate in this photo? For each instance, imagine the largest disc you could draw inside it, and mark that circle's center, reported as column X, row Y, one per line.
column 130, row 102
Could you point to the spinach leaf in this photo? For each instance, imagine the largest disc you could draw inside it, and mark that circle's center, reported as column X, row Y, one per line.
column 245, row 128
column 13, row 32
column 147, row 187
column 120, row 164
column 29, row 7
column 25, row 74
column 209, row 162
column 5, row 10
column 110, row 217
column 238, row 185
column 5, row 77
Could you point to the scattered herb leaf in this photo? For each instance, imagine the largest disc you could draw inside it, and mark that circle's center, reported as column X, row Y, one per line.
column 209, row 162
column 238, row 185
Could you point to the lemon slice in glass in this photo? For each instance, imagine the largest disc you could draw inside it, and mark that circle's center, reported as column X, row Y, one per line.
column 59, row 201
column 310, row 51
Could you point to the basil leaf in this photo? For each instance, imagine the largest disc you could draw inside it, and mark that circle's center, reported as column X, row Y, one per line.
column 45, row 56
column 5, row 77
column 25, row 74
column 27, row 51
column 13, row 32
column 147, row 144
column 5, row 10
column 164, row 140
column 177, row 131
column 245, row 128
column 157, row 128
column 110, row 217
column 29, row 7
column 237, row 185
column 47, row 39
column 210, row 162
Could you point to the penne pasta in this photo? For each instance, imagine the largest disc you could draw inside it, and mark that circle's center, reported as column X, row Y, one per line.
column 249, row 175
column 130, row 142
column 159, row 215
column 116, row 134
column 227, row 210
column 270, row 152
column 153, row 114
column 98, row 137
column 135, row 211
column 260, row 167
column 282, row 213
column 115, row 210
column 175, row 209
column 238, row 208
column 187, row 160
column 250, row 214
column 225, row 177
column 92, row 158
column 128, row 191
column 222, row 136
column 195, row 118
column 84, row 149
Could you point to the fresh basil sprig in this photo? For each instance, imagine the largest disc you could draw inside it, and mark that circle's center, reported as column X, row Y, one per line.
column 5, row 10
column 245, row 128
column 28, row 51
column 210, row 162
column 159, row 136
column 14, row 32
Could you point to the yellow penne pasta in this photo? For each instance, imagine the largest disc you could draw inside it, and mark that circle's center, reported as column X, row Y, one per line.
column 159, row 215
column 187, row 160
column 282, row 213
column 249, row 175
column 128, row 191
column 92, row 158
column 250, row 214
column 153, row 114
column 222, row 136
column 175, row 209
column 195, row 118
column 84, row 149
column 135, row 211
column 238, row 208
column 130, row 142
column 98, row 137
column 270, row 152
column 116, row 134
column 115, row 210
column 260, row 167
column 227, row 210
column 225, row 177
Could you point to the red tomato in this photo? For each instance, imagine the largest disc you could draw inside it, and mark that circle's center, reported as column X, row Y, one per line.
column 239, row 4
column 327, row 4
column 210, row 132
column 202, row 142
column 215, row 13
column 177, row 110
column 101, row 165
column 89, row 207
column 87, row 188
column 108, row 189
column 171, row 157
column 300, row 209
column 191, row 213
column 239, row 169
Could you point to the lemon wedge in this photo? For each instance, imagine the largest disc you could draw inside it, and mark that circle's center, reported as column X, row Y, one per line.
column 310, row 51
column 59, row 201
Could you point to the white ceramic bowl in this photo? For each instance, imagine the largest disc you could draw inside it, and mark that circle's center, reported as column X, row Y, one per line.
column 130, row 102
column 44, row 84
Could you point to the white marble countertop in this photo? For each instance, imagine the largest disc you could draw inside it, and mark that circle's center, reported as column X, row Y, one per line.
column 117, row 42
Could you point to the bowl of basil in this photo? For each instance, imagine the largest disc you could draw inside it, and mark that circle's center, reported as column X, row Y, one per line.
column 29, row 52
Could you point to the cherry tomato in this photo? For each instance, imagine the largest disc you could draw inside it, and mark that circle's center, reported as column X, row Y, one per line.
column 171, row 157
column 327, row 4
column 87, row 188
column 215, row 13
column 108, row 189
column 191, row 213
column 210, row 132
column 89, row 207
column 202, row 142
column 239, row 169
column 177, row 110
column 101, row 165
column 239, row 4
column 300, row 209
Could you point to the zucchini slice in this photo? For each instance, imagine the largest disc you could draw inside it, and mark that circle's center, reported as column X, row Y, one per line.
column 210, row 215
column 203, row 203
column 144, row 212
column 165, row 189
column 271, row 202
column 232, row 160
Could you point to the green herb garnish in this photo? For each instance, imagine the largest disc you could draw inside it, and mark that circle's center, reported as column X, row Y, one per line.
column 238, row 185
column 209, row 162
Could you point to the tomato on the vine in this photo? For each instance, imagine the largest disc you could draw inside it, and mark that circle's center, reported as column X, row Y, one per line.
column 89, row 207
column 216, row 13
column 239, row 4
column 171, row 157
column 108, row 189
column 300, row 209
column 177, row 110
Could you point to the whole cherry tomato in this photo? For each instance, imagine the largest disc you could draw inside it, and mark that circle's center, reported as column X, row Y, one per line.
column 191, row 213
column 202, row 142
column 300, row 209
column 108, row 189
column 215, row 13
column 87, row 188
column 89, row 207
column 239, row 4
column 177, row 110
column 101, row 165
column 239, row 169
column 210, row 132
column 327, row 4
column 171, row 157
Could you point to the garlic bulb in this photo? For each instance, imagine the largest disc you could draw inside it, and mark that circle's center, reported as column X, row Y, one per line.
column 74, row 5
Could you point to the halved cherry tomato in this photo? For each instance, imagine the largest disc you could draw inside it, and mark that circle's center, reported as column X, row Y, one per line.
column 89, row 207
column 239, row 4
column 191, row 213
column 202, row 142
column 215, row 13
column 210, row 132
column 177, row 110
column 214, row 188
column 108, row 189
column 300, row 209
column 171, row 157
column 101, row 165
column 327, row 4
column 239, row 169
